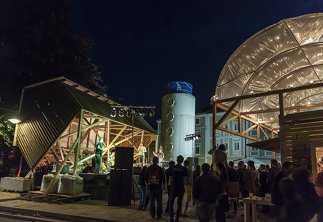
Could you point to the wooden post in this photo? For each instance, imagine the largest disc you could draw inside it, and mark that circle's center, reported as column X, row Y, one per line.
column 213, row 130
column 108, row 141
column 61, row 167
column 281, row 130
column 77, row 147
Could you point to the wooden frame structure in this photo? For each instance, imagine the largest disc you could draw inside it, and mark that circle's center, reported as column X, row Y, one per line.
column 62, row 122
column 228, row 105
column 81, row 137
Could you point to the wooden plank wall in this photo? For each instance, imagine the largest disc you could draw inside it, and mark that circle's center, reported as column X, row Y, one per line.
column 301, row 127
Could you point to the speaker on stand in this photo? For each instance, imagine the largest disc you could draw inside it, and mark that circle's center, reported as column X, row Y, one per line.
column 120, row 186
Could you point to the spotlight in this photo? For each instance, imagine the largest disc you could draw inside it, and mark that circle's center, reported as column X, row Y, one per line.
column 121, row 112
column 113, row 112
column 151, row 113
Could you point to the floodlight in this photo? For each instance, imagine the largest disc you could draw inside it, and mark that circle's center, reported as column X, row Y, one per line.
column 14, row 120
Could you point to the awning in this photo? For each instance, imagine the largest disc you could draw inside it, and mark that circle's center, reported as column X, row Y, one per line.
column 269, row 145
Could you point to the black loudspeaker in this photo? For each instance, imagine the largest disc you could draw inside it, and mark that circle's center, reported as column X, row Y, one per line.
column 120, row 187
column 123, row 158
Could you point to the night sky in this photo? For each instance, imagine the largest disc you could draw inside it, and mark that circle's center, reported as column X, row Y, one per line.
column 140, row 46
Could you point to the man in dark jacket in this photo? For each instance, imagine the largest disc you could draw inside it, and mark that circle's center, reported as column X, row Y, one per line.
column 277, row 198
column 206, row 191
column 169, row 173
column 273, row 171
column 155, row 178
column 177, row 188
column 244, row 179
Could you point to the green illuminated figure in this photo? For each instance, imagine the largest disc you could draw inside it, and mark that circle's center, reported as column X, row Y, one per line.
column 98, row 155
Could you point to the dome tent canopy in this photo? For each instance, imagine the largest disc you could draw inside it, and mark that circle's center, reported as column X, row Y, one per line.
column 285, row 55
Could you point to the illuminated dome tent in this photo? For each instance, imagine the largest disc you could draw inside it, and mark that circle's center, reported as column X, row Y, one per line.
column 276, row 72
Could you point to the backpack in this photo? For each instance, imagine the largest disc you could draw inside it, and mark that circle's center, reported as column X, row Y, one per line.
column 153, row 176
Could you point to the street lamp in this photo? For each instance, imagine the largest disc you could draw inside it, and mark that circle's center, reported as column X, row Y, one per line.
column 12, row 116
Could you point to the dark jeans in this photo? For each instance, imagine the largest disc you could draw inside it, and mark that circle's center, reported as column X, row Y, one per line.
column 172, row 197
column 221, row 209
column 168, row 195
column 205, row 211
column 155, row 194
column 142, row 190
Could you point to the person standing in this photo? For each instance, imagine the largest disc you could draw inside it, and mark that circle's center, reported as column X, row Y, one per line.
column 219, row 155
column 244, row 178
column 206, row 191
column 233, row 187
column 141, row 154
column 169, row 173
column 188, row 186
column 98, row 155
column 273, row 171
column 254, row 177
column 155, row 178
column 196, row 172
column 277, row 197
column 319, row 191
column 159, row 154
column 263, row 175
column 305, row 191
column 142, row 188
column 263, row 187
column 291, row 208
column 223, row 201
column 177, row 188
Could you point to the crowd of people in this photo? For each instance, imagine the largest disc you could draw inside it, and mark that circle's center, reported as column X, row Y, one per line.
column 210, row 187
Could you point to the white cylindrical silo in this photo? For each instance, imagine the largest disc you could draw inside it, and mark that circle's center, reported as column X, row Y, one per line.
column 178, row 120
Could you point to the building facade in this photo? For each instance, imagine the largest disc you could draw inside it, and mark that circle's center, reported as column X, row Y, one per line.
column 235, row 146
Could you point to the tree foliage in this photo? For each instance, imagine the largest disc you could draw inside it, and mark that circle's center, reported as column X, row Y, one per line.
column 37, row 43
column 6, row 134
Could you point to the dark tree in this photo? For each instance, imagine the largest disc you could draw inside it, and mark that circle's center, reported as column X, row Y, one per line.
column 37, row 42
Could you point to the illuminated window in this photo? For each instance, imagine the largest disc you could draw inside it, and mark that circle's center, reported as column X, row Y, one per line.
column 197, row 149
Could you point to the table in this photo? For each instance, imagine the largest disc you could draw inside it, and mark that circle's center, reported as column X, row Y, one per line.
column 253, row 201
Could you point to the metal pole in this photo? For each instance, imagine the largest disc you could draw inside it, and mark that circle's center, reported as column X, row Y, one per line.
column 132, row 124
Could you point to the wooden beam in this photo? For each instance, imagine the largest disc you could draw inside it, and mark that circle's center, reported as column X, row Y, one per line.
column 60, row 149
column 55, row 154
column 281, row 105
column 258, row 132
column 229, row 120
column 84, row 128
column 118, row 135
column 226, row 114
column 61, row 167
column 107, row 148
column 263, row 131
column 249, row 129
column 237, row 134
column 77, row 147
column 142, row 136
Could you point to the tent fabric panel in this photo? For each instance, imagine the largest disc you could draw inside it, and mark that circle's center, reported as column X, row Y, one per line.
column 287, row 54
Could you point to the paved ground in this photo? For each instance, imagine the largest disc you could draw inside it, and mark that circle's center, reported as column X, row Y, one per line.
column 94, row 210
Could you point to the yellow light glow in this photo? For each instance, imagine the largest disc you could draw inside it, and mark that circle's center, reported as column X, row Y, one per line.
column 14, row 121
